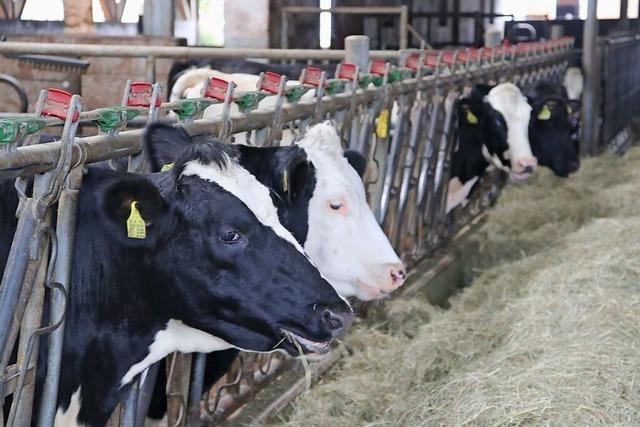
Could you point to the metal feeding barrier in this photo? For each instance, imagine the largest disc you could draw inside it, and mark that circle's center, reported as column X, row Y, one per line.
column 401, row 116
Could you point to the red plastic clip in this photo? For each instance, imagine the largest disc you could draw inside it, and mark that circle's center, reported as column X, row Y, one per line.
column 312, row 76
column 270, row 82
column 378, row 67
column 412, row 61
column 468, row 54
column 523, row 47
column 57, row 104
column 347, row 71
column 488, row 53
column 449, row 57
column 217, row 89
column 431, row 59
column 140, row 95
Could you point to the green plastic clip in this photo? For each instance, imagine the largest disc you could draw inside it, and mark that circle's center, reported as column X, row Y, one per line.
column 294, row 93
column 13, row 130
column 188, row 108
column 334, row 86
column 249, row 100
column 114, row 117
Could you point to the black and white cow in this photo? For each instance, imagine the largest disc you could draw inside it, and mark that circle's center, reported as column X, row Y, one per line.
column 320, row 197
column 550, row 131
column 216, row 270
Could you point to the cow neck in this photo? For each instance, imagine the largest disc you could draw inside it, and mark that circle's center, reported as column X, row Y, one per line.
column 110, row 323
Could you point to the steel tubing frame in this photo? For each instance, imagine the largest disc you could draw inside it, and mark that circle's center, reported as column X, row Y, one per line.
column 410, row 204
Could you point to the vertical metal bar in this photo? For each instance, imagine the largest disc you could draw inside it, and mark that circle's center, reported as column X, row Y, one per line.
column 130, row 406
column 66, row 230
column 455, row 23
column 590, row 65
column 30, row 323
column 151, row 68
column 145, row 393
column 404, row 26
column 196, row 388
column 178, row 389
column 624, row 16
column 284, row 30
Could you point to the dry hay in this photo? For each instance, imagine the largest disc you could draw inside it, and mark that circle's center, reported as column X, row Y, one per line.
column 547, row 339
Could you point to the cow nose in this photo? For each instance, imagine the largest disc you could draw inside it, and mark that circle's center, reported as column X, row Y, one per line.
column 336, row 323
column 398, row 274
column 528, row 169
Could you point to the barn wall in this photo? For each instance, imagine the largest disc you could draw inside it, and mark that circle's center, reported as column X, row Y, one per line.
column 382, row 30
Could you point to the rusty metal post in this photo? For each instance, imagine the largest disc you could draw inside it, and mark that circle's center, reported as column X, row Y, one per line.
column 404, row 27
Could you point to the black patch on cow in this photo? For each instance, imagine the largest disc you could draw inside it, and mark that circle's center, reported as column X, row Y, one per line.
column 290, row 176
column 357, row 161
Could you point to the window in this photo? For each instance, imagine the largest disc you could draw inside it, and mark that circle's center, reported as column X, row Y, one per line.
column 211, row 22
column 43, row 10
column 325, row 25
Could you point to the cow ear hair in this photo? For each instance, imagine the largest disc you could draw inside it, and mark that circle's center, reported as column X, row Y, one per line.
column 164, row 144
column 134, row 211
column 357, row 161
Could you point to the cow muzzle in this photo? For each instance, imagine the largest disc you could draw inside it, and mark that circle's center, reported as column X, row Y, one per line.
column 392, row 277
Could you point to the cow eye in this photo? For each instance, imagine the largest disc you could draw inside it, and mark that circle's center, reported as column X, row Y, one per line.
column 335, row 205
column 230, row 237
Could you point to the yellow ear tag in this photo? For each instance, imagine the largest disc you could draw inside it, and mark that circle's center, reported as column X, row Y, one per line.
column 285, row 181
column 545, row 113
column 382, row 126
column 136, row 227
column 471, row 118
column 167, row 167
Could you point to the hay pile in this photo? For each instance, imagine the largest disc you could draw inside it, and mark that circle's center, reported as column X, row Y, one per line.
column 550, row 337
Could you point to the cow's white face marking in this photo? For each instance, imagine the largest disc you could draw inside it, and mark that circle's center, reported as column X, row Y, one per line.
column 69, row 418
column 507, row 99
column 176, row 337
column 573, row 83
column 344, row 238
column 239, row 182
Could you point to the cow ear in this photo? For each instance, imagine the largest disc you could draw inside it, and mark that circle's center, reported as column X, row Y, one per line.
column 163, row 144
column 357, row 161
column 134, row 211
column 293, row 173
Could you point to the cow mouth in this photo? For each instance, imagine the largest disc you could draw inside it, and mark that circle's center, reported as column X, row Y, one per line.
column 520, row 176
column 307, row 345
column 372, row 291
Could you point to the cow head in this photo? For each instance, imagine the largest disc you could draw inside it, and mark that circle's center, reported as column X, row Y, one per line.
column 320, row 197
column 551, row 134
column 507, row 100
column 222, row 262
column 343, row 236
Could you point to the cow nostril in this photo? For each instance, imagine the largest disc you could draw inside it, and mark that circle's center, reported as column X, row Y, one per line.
column 333, row 322
column 398, row 274
column 528, row 169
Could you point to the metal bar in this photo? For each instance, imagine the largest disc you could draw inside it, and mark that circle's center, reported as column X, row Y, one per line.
column 354, row 10
column 145, row 393
column 65, row 227
column 196, row 387
column 130, row 406
column 590, row 97
column 404, row 23
column 180, row 52
column 624, row 15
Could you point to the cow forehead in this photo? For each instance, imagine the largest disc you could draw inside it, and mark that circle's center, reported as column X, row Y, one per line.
column 324, row 150
column 507, row 99
column 241, row 184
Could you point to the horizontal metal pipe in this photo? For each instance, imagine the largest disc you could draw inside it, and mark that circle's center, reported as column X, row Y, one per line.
column 345, row 10
column 38, row 158
column 178, row 52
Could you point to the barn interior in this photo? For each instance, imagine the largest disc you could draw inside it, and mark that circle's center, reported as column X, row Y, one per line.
column 494, row 144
